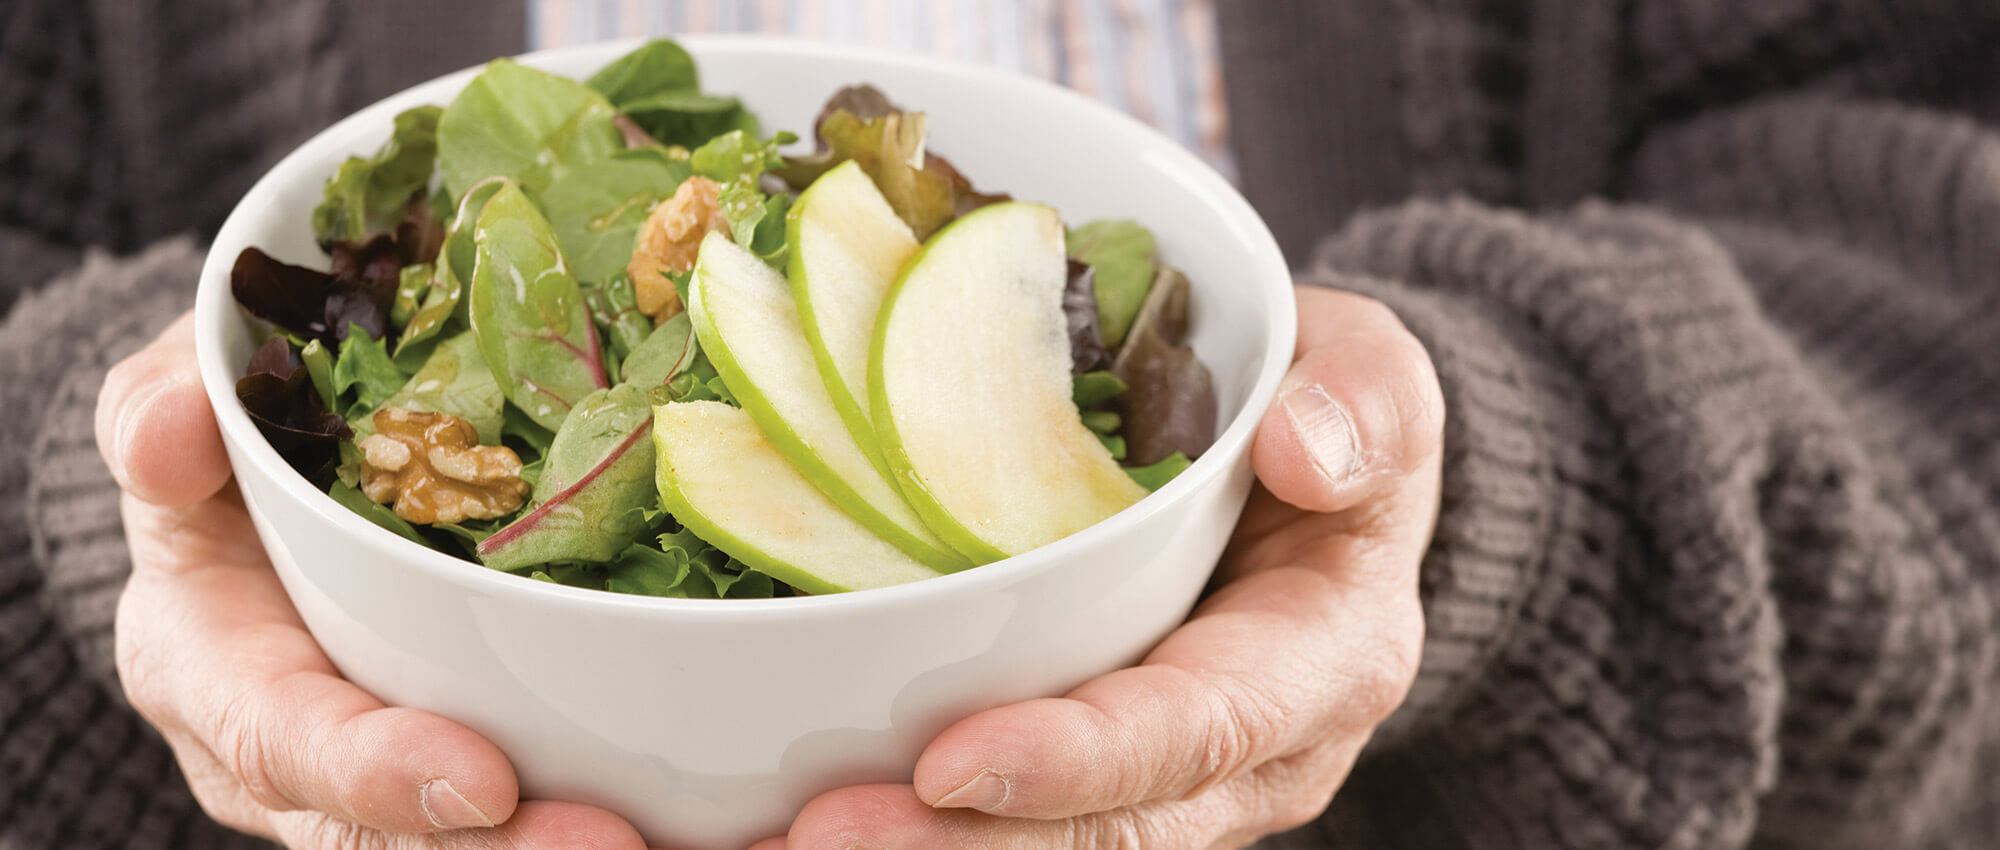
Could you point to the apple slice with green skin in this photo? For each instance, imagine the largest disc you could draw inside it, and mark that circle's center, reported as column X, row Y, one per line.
column 970, row 383
column 748, row 324
column 847, row 245
column 723, row 480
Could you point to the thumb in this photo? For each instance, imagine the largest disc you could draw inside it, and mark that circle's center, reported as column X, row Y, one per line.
column 1359, row 411
column 155, row 427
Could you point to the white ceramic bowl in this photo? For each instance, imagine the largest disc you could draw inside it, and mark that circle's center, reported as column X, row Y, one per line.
column 709, row 723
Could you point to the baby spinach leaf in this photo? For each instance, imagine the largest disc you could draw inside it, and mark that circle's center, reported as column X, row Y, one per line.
column 596, row 210
column 1170, row 406
column 668, row 352
column 354, row 500
column 654, row 67
column 516, row 122
column 445, row 292
column 453, row 380
column 364, row 366
column 598, row 479
column 365, row 192
column 615, row 309
column 1121, row 254
column 1155, row 475
column 528, row 313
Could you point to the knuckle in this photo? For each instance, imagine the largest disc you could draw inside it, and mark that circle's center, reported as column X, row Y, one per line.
column 327, row 833
column 1119, row 829
column 244, row 748
column 1382, row 677
column 1232, row 737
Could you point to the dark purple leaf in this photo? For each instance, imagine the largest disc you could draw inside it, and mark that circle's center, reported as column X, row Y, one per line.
column 377, row 265
column 278, row 395
column 1169, row 405
column 420, row 234
column 1086, row 345
column 310, row 304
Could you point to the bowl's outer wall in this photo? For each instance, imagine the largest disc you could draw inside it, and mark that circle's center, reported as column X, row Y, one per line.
column 710, row 724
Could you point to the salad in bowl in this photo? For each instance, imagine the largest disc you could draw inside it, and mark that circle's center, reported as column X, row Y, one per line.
column 606, row 333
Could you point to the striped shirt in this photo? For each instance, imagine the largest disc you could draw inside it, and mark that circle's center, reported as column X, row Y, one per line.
column 1154, row 59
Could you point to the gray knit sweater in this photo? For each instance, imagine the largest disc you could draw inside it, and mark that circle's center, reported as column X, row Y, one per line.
column 1720, row 543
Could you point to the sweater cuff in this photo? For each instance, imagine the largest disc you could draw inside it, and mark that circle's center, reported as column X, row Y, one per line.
column 55, row 348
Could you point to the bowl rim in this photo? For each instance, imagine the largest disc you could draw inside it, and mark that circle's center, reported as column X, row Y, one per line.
column 214, row 307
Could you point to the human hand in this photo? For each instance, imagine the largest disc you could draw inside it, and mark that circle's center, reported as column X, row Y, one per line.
column 210, row 650
column 1245, row 720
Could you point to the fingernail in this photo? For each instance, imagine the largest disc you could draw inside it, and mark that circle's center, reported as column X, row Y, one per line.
column 449, row 809
column 1325, row 429
column 985, row 792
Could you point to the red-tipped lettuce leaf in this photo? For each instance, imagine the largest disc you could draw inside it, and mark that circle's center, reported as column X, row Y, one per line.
column 278, row 394
column 1169, row 403
column 1086, row 346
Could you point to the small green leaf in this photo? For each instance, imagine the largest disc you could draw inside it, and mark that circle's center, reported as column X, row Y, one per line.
column 1123, row 255
column 1155, row 475
column 668, row 352
column 364, row 367
column 1113, row 444
column 528, row 312
column 1095, row 388
column 319, row 367
column 381, row 515
column 1101, row 421
column 410, row 288
column 736, row 154
column 615, row 309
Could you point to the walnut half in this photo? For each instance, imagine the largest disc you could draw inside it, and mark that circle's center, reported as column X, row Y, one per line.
column 432, row 467
column 669, row 241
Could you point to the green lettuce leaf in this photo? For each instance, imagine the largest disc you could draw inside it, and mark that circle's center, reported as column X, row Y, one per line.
column 596, row 484
column 444, row 293
column 1121, row 256
column 366, row 196
column 364, row 367
column 528, row 313
column 527, row 125
column 859, row 123
column 319, row 367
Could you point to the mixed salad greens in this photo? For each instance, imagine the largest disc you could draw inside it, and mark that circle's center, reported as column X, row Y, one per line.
column 607, row 334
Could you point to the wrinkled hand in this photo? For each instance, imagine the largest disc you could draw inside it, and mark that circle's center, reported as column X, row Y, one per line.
column 211, row 651
column 1246, row 720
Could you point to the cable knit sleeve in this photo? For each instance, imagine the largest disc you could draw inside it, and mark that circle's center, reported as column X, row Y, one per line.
column 1718, row 553
column 78, row 768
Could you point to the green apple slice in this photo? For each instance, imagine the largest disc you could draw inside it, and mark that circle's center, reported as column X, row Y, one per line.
column 970, row 383
column 847, row 246
column 748, row 324
column 722, row 479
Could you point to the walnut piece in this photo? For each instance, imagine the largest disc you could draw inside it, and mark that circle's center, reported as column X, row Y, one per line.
column 432, row 467
column 669, row 241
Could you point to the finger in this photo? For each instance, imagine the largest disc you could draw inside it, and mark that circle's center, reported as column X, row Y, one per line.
column 1279, row 797
column 536, row 825
column 1359, row 409
column 1213, row 701
column 154, row 425
column 777, row 843
column 209, row 642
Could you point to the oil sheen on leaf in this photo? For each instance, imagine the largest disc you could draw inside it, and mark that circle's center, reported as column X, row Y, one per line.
column 528, row 314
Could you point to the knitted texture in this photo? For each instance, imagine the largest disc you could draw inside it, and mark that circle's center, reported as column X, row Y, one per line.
column 78, row 769
column 1719, row 551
